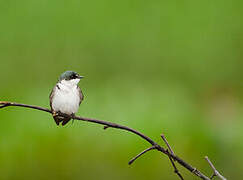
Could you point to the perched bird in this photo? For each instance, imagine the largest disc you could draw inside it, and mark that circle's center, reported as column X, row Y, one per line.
column 66, row 96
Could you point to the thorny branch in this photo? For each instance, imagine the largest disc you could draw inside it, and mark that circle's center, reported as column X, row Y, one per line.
column 106, row 124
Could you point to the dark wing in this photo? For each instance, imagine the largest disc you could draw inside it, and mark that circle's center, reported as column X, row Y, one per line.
column 58, row 119
column 52, row 94
column 81, row 96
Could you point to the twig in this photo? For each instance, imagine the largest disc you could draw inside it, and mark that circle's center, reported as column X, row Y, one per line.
column 175, row 168
column 167, row 144
column 169, row 155
column 117, row 126
column 215, row 172
column 140, row 154
column 6, row 104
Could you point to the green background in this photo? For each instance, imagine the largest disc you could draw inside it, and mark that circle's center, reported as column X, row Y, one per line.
column 172, row 67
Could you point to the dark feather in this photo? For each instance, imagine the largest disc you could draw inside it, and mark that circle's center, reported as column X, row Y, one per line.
column 57, row 120
column 65, row 121
column 81, row 96
column 51, row 95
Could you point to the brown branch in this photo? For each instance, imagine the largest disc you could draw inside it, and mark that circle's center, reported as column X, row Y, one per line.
column 171, row 160
column 175, row 168
column 167, row 144
column 140, row 154
column 215, row 172
column 117, row 126
column 6, row 104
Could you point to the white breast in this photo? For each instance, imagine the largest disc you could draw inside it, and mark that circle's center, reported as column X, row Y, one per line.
column 66, row 98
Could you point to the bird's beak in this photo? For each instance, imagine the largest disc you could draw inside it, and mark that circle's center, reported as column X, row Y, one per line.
column 80, row 77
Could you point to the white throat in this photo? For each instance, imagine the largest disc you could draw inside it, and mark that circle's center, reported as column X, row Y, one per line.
column 70, row 83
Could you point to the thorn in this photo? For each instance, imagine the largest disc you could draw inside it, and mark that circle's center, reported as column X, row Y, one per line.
column 105, row 127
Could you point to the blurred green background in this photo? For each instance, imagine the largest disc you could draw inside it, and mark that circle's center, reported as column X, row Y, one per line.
column 172, row 67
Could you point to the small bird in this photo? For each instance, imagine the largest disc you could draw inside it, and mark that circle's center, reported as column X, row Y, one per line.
column 66, row 96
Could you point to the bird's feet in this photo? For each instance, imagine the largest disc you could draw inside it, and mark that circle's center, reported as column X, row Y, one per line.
column 55, row 114
column 62, row 115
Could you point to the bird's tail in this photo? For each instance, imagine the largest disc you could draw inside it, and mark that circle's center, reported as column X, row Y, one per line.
column 61, row 119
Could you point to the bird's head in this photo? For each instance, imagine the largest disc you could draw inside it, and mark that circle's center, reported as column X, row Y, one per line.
column 70, row 77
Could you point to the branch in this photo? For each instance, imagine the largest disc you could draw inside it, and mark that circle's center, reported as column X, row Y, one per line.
column 140, row 154
column 215, row 172
column 167, row 144
column 117, row 126
column 171, row 160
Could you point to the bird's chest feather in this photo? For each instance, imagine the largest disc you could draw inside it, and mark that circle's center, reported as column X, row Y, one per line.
column 66, row 99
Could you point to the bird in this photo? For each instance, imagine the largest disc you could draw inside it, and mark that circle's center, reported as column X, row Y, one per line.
column 66, row 97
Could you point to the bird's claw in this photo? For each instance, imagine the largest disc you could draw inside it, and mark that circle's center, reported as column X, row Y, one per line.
column 54, row 114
